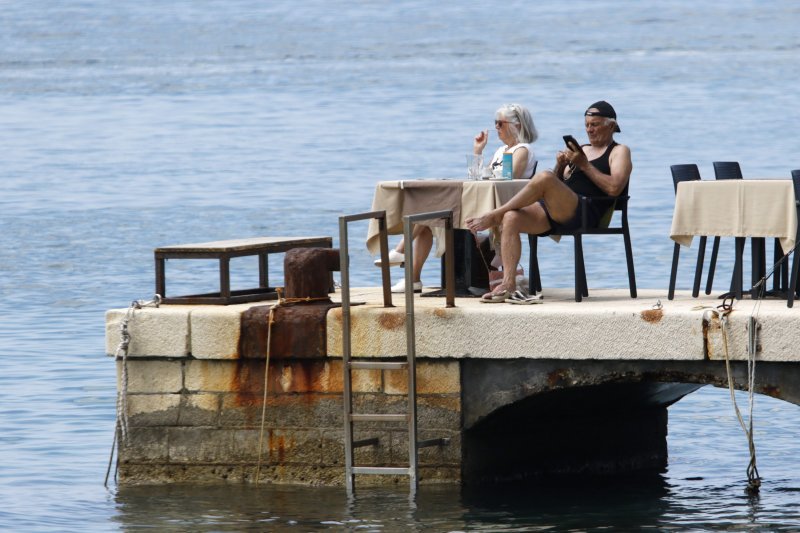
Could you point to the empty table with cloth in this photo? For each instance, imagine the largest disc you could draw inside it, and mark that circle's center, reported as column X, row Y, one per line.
column 756, row 208
column 465, row 198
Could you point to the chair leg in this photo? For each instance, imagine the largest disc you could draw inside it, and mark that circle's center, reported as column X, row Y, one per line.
column 758, row 260
column 793, row 281
column 780, row 280
column 785, row 274
column 584, row 283
column 675, row 253
column 629, row 257
column 698, row 270
column 534, row 279
column 712, row 265
column 580, row 273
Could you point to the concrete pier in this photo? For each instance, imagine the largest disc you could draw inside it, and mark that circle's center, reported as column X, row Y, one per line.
column 521, row 391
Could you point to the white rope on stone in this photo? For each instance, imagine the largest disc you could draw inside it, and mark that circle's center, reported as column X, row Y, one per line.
column 721, row 312
column 121, row 424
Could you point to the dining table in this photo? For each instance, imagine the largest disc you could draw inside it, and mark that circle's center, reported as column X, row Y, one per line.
column 466, row 198
column 751, row 208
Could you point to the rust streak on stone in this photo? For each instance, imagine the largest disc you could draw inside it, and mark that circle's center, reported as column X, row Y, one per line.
column 391, row 321
column 277, row 445
column 247, row 380
column 557, row 377
column 653, row 316
column 771, row 390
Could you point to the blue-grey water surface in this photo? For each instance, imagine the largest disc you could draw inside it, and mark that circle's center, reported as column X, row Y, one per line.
column 129, row 125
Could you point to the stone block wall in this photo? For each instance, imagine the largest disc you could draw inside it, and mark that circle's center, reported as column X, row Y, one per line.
column 200, row 420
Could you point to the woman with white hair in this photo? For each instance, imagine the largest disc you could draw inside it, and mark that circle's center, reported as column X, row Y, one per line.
column 515, row 129
column 514, row 126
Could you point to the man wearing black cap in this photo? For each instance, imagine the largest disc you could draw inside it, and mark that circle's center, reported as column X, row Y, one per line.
column 550, row 200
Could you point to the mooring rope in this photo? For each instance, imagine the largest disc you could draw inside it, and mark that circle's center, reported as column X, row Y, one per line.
column 721, row 312
column 270, row 320
column 121, row 423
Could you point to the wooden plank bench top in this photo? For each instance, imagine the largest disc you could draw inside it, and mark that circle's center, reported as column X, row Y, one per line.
column 253, row 244
column 224, row 251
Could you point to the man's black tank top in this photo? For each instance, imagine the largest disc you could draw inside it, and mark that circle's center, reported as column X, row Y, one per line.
column 580, row 183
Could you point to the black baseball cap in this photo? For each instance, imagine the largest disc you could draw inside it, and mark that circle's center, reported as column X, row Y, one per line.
column 604, row 109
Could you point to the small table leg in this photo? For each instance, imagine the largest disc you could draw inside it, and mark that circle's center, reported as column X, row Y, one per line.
column 470, row 267
column 738, row 268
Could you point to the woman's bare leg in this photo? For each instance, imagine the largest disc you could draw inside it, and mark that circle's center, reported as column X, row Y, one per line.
column 423, row 243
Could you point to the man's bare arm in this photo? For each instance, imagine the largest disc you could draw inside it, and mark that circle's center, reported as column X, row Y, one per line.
column 621, row 167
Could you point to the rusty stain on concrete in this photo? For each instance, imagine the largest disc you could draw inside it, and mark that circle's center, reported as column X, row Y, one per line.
column 391, row 321
column 247, row 379
column 441, row 312
column 286, row 378
column 557, row 377
column 277, row 445
column 298, row 330
column 771, row 390
column 653, row 316
column 708, row 326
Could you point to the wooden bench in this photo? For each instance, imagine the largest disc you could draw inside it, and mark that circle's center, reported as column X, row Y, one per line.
column 224, row 251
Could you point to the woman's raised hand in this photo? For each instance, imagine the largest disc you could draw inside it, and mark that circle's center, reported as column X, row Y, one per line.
column 480, row 141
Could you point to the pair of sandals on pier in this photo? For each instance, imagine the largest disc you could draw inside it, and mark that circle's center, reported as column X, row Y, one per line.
column 517, row 297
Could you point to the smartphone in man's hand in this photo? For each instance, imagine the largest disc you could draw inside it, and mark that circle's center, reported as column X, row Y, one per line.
column 571, row 143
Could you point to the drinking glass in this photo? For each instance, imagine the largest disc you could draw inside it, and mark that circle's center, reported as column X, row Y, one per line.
column 474, row 166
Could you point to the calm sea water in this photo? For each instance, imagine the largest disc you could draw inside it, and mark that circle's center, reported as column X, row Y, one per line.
column 128, row 125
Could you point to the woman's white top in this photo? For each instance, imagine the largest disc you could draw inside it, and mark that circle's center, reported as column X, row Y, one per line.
column 497, row 158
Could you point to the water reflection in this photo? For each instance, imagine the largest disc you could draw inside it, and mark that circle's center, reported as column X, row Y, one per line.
column 623, row 503
column 573, row 504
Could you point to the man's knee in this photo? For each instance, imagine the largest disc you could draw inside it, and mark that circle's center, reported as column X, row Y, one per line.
column 512, row 221
column 543, row 177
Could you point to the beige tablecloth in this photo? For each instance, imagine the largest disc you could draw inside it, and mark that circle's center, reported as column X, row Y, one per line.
column 410, row 197
column 735, row 208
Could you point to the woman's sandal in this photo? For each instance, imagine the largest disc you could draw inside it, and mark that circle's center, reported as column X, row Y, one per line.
column 495, row 297
column 520, row 298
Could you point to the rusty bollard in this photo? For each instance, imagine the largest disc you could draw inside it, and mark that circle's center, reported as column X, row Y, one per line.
column 299, row 328
column 307, row 272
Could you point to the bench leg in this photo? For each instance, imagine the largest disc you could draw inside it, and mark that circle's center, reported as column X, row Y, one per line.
column 263, row 270
column 161, row 284
column 225, row 277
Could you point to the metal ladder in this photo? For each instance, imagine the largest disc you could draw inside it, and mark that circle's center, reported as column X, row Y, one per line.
column 410, row 416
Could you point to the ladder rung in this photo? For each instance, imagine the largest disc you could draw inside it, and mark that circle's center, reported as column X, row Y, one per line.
column 365, row 442
column 444, row 441
column 391, row 470
column 374, row 417
column 378, row 365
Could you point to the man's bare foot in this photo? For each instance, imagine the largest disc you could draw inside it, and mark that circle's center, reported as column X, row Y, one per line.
column 501, row 293
column 482, row 222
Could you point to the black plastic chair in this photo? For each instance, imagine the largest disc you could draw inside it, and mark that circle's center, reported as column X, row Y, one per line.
column 795, row 262
column 581, row 287
column 533, row 173
column 681, row 173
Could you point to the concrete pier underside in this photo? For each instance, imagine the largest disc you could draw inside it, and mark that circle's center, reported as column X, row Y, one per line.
column 521, row 391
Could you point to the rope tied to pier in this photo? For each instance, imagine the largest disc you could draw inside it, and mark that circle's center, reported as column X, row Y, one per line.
column 722, row 313
column 121, row 424
column 282, row 302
